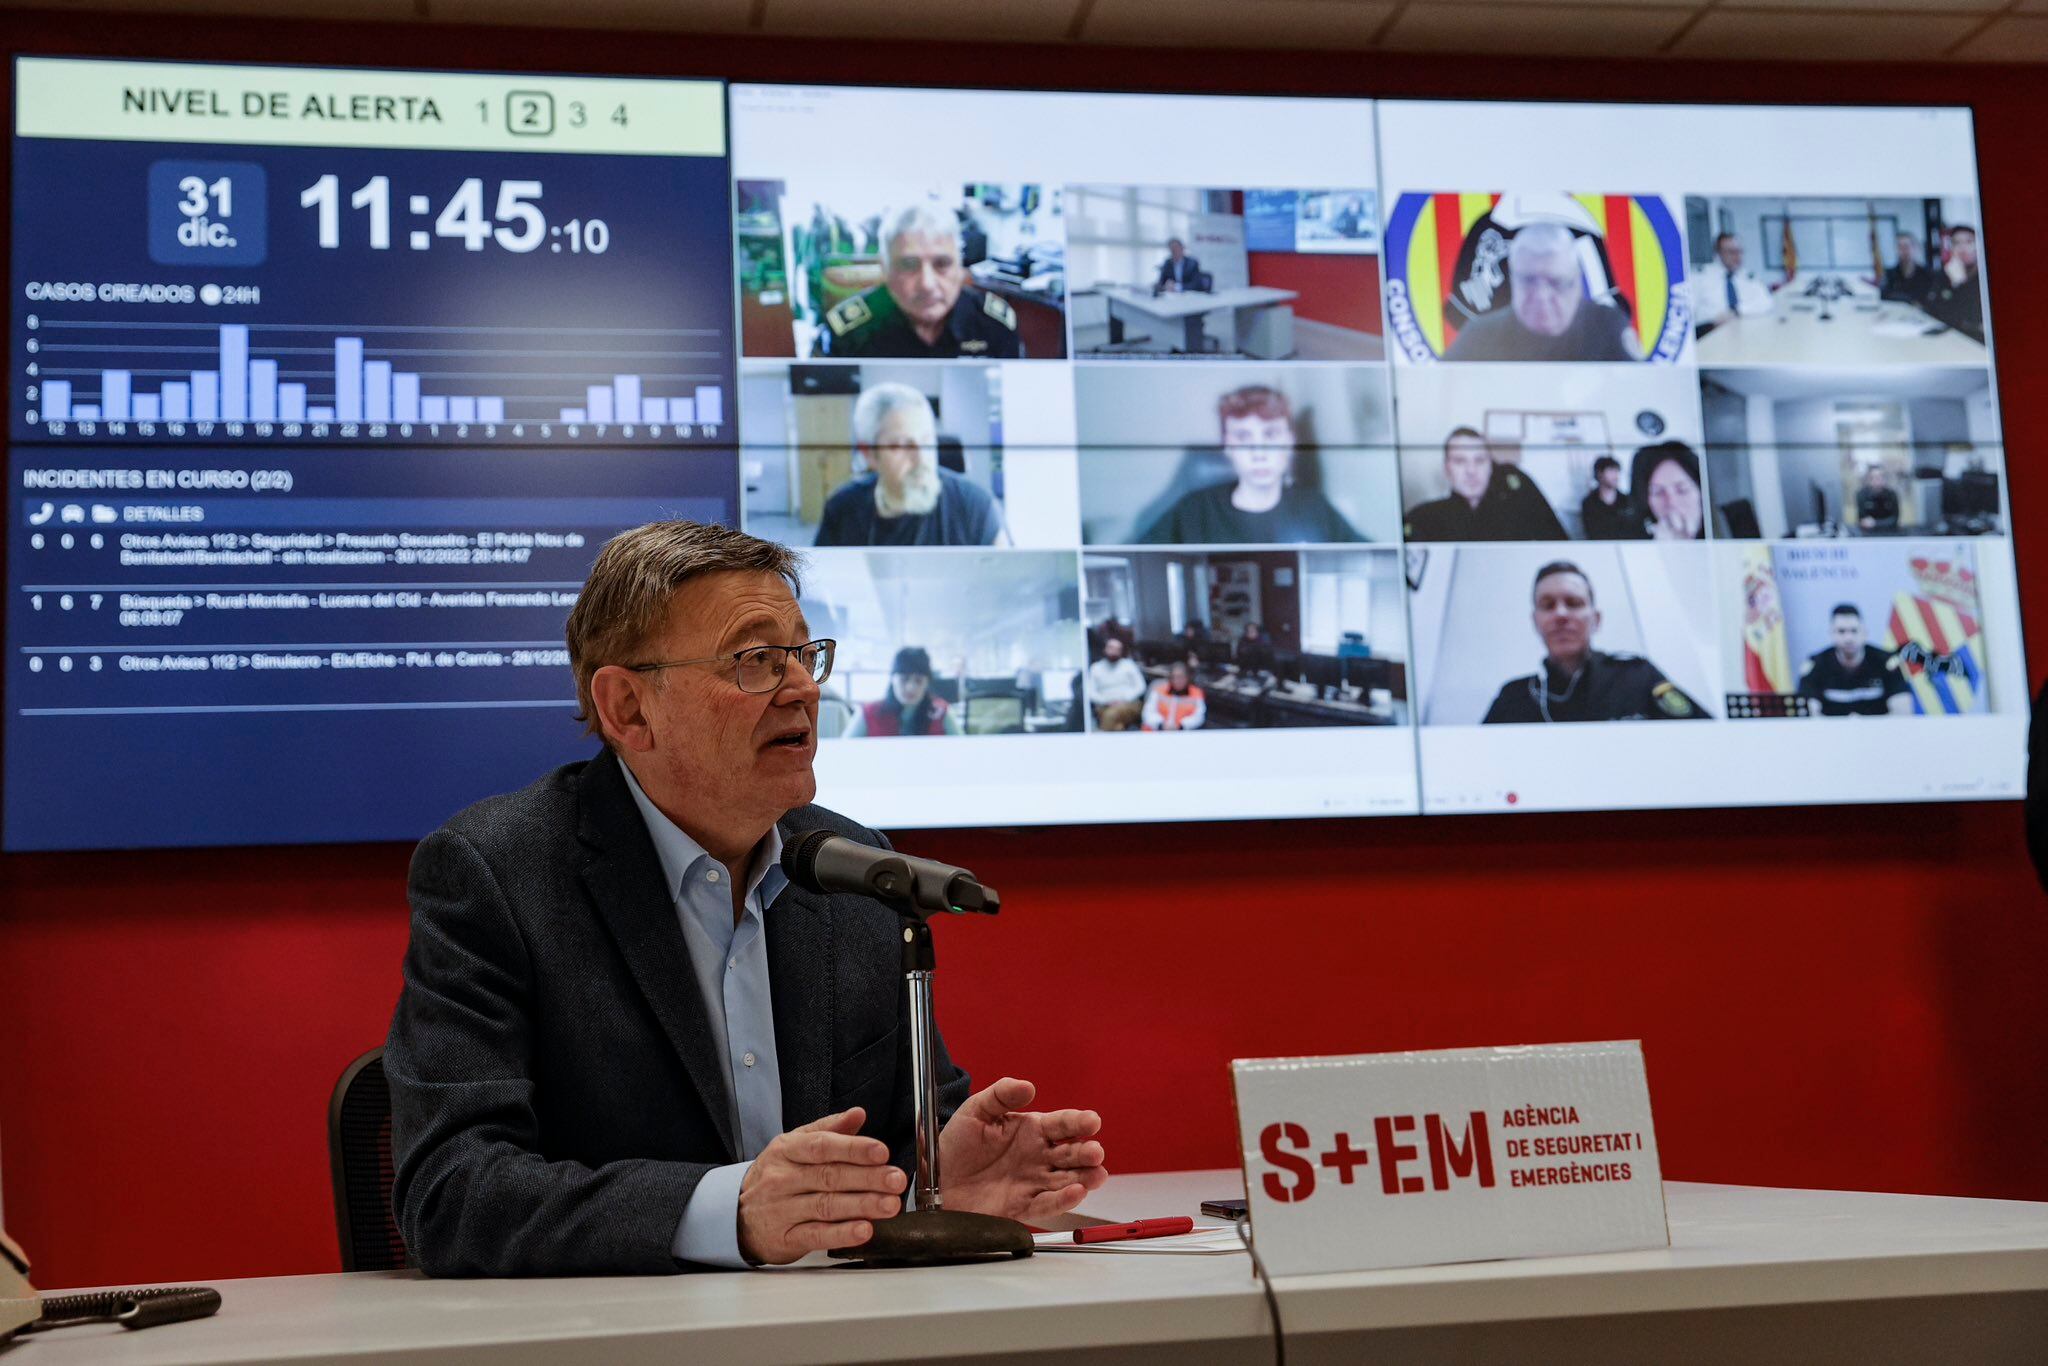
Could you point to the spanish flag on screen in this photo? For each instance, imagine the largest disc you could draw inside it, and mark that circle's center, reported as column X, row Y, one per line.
column 1766, row 657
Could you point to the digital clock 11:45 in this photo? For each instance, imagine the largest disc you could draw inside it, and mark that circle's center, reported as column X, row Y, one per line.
column 520, row 224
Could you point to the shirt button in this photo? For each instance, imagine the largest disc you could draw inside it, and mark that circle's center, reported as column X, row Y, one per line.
column 748, row 1060
column 731, row 963
column 711, row 876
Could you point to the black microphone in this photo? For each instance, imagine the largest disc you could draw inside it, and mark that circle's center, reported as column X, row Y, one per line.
column 820, row 861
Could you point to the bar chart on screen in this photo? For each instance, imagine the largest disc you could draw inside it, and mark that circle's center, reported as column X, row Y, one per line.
column 94, row 380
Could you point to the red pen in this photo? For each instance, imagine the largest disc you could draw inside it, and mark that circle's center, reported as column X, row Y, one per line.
column 1144, row 1228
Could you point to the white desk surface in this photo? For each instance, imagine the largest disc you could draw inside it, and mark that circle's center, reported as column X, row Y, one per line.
column 1793, row 333
column 1188, row 302
column 1733, row 1247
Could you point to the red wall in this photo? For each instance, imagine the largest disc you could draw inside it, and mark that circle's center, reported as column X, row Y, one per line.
column 1846, row 998
column 1337, row 289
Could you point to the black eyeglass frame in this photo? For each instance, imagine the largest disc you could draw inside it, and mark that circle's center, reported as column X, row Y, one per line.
column 822, row 670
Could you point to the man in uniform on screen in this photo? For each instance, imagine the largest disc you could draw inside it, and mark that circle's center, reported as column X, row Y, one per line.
column 1549, row 317
column 924, row 307
column 1957, row 297
column 1488, row 501
column 1578, row 682
column 1849, row 678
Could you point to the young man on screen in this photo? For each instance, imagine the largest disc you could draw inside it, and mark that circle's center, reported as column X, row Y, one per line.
column 626, row 1044
column 1578, row 682
column 1488, row 501
column 1851, row 679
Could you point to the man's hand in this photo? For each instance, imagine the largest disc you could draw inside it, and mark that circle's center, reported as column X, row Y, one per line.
column 816, row 1188
column 997, row 1159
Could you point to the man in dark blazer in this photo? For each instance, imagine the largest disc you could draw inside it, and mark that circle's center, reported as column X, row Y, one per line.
column 625, row 1043
column 1179, row 271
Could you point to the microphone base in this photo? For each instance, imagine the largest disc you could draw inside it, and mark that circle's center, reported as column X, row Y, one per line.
column 931, row 1237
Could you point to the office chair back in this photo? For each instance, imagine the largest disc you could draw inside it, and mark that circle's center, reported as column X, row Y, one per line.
column 359, row 1150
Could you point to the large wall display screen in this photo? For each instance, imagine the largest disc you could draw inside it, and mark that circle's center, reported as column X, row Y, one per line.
column 1154, row 457
column 327, row 387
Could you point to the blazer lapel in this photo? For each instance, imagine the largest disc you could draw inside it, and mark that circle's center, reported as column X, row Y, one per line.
column 624, row 878
column 799, row 926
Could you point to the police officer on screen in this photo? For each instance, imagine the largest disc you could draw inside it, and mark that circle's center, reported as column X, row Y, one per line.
column 1487, row 501
column 924, row 307
column 1851, row 679
column 1578, row 682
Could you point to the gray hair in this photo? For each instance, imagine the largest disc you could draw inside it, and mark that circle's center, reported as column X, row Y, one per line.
column 878, row 401
column 925, row 216
column 1541, row 238
column 635, row 577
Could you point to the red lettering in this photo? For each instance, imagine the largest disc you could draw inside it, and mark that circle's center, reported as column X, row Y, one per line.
column 1270, row 1139
column 1448, row 1159
column 1393, row 1154
column 1344, row 1158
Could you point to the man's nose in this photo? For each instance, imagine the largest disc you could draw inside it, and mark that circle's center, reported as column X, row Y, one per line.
column 797, row 685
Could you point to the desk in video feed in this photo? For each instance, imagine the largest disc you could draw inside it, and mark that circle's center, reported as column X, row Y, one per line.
column 1844, row 331
column 304, row 293
column 209, row 647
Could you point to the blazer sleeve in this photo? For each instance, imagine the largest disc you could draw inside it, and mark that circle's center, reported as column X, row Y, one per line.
column 473, row 1194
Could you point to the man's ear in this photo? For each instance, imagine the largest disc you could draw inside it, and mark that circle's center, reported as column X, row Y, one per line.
column 616, row 694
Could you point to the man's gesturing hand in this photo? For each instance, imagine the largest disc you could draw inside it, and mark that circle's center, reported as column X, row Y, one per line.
column 817, row 1187
column 995, row 1158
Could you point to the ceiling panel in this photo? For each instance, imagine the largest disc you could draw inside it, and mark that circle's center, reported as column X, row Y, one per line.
column 1822, row 37
column 1237, row 23
column 1798, row 30
column 1525, row 28
column 1014, row 21
column 2009, row 40
column 695, row 16
column 366, row 10
column 1851, row 11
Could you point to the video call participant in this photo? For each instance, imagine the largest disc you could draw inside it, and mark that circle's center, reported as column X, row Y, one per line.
column 911, row 708
column 1116, row 686
column 1253, row 651
column 1606, row 513
column 904, row 497
column 1179, row 271
column 1877, row 507
column 625, row 1044
column 1911, row 281
column 1175, row 703
column 924, row 308
column 1958, row 296
column 1265, row 504
column 1578, row 682
column 1664, row 483
column 1487, row 502
column 1549, row 317
column 1723, row 291
column 1850, row 678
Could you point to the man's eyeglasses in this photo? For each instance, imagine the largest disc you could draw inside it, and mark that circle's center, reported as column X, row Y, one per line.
column 759, row 668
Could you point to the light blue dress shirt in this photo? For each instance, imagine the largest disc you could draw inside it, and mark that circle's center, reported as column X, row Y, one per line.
column 731, row 965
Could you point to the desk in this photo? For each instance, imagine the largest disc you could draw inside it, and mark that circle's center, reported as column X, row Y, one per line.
column 1256, row 320
column 1854, row 333
column 1752, row 1275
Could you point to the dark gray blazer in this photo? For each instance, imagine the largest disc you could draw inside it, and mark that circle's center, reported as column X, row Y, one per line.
column 555, row 1091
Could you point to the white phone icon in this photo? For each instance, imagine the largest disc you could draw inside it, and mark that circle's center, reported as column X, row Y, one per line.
column 43, row 514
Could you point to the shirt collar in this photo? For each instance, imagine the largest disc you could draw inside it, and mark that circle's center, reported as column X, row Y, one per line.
column 679, row 853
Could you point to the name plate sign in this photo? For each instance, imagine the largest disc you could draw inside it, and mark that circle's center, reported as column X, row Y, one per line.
column 1464, row 1154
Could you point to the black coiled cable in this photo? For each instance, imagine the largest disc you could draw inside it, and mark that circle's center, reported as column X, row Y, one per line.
column 129, row 1308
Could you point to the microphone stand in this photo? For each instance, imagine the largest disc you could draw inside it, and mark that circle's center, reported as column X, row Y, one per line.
column 927, row 1232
